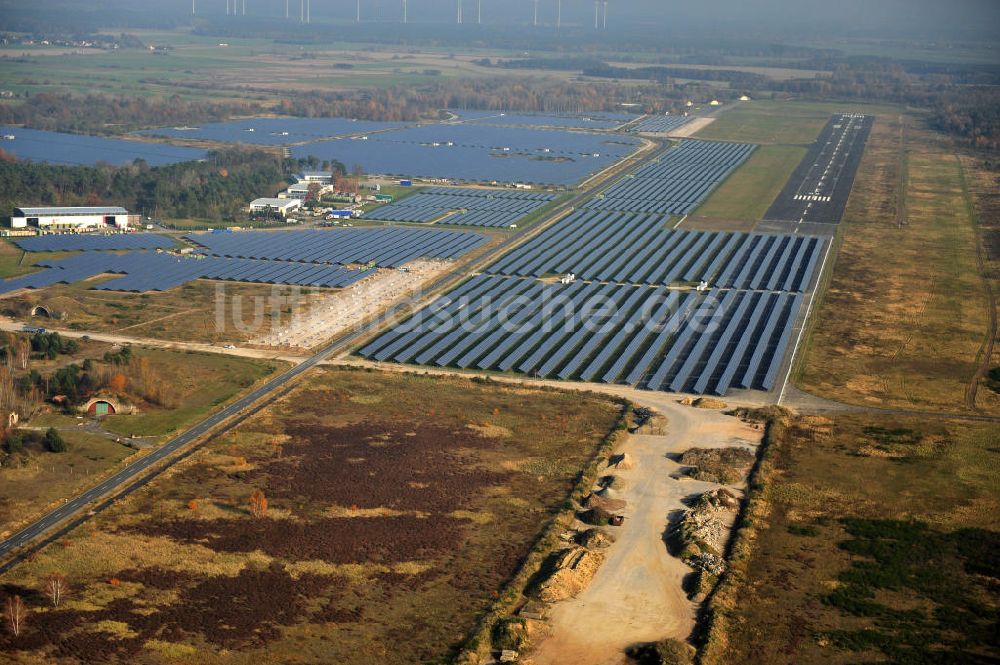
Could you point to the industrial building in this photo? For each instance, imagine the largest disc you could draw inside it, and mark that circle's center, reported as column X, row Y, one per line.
column 322, row 177
column 282, row 207
column 300, row 190
column 74, row 219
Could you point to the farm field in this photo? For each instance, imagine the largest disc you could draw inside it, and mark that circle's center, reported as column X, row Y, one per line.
column 905, row 314
column 879, row 545
column 397, row 507
column 749, row 191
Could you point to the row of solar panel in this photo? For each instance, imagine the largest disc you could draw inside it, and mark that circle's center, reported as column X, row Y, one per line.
column 445, row 202
column 637, row 249
column 678, row 182
column 387, row 247
column 514, row 194
column 648, row 337
column 147, row 271
column 482, row 211
column 85, row 243
column 662, row 123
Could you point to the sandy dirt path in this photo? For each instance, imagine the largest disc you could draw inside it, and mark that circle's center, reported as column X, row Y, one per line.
column 637, row 595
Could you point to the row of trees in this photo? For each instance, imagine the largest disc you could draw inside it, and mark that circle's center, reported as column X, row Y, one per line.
column 103, row 114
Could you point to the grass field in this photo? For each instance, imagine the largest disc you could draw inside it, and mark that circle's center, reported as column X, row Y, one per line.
column 200, row 381
column 398, row 507
column 905, row 314
column 27, row 489
column 747, row 193
column 780, row 122
column 879, row 546
column 15, row 262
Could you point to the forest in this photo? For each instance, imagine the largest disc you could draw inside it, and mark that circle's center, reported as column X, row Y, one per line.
column 218, row 188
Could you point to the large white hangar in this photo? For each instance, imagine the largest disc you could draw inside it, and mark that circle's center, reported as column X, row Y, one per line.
column 71, row 219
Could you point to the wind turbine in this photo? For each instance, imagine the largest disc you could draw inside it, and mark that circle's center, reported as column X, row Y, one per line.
column 597, row 13
column 558, row 14
column 479, row 15
column 459, row 11
column 605, row 14
column 357, row 18
column 536, row 14
column 404, row 11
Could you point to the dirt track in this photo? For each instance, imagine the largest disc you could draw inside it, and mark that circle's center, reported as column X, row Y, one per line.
column 637, row 594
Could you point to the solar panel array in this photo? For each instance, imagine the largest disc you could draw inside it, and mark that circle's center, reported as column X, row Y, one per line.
column 82, row 243
column 479, row 153
column 154, row 271
column 660, row 123
column 678, row 182
column 592, row 120
column 387, row 247
column 79, row 150
column 649, row 337
column 637, row 248
column 467, row 207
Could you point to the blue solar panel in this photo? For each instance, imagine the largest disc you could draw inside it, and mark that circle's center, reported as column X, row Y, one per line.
column 386, row 247
column 703, row 342
column 84, row 243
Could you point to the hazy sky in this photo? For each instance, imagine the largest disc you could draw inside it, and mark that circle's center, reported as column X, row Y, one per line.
column 783, row 18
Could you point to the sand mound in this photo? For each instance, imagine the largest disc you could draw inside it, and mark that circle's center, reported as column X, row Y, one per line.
column 595, row 539
column 612, row 482
column 606, row 503
column 703, row 402
column 718, row 465
column 574, row 568
column 622, row 461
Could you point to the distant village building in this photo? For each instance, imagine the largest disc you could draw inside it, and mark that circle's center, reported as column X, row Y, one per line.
column 75, row 219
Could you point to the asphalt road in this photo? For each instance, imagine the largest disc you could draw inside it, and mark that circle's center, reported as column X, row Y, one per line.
column 21, row 544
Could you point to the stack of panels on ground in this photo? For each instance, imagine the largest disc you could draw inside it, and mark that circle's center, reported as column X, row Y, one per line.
column 468, row 207
column 648, row 337
column 636, row 248
column 660, row 124
column 148, row 271
column 386, row 247
column 103, row 243
column 678, row 182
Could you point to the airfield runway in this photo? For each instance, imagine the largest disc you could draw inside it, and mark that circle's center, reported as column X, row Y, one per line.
column 818, row 190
